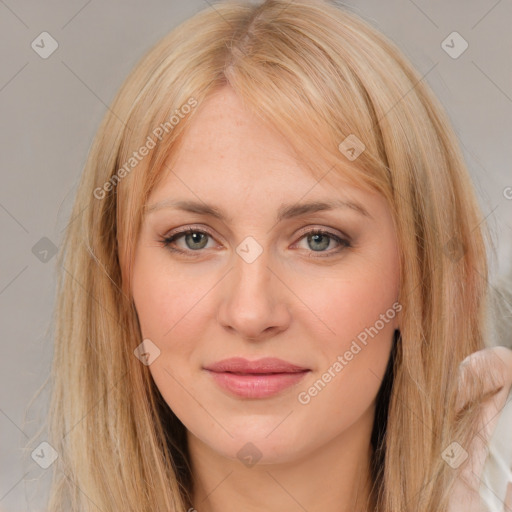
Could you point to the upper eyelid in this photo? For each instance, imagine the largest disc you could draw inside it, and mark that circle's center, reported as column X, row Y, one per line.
column 303, row 231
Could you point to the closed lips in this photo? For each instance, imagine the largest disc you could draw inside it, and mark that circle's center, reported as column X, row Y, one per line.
column 260, row 379
column 264, row 366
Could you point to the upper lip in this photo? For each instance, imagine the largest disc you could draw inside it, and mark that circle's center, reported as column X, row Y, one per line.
column 264, row 365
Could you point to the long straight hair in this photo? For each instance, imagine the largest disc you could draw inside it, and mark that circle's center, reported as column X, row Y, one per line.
column 319, row 74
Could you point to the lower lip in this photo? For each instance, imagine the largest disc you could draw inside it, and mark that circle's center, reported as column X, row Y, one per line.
column 256, row 385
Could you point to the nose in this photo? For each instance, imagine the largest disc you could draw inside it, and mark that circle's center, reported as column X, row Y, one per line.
column 254, row 305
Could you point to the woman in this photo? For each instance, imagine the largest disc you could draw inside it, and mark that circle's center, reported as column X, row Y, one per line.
column 275, row 267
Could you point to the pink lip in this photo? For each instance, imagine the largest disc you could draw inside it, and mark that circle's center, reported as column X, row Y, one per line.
column 255, row 379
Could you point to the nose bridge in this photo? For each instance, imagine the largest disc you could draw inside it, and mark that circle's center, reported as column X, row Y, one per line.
column 253, row 302
column 252, row 272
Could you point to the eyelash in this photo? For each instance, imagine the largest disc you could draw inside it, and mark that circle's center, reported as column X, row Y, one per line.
column 167, row 241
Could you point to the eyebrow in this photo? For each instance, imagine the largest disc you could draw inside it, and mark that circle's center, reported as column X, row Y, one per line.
column 285, row 211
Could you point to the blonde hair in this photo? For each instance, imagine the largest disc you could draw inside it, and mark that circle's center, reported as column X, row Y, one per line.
column 318, row 74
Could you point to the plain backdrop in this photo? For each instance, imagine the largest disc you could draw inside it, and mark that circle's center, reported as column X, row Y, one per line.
column 51, row 108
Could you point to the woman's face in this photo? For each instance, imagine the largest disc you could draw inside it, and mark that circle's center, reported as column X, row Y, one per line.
column 253, row 283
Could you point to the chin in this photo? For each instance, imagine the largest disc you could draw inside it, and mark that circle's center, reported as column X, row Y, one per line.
column 259, row 443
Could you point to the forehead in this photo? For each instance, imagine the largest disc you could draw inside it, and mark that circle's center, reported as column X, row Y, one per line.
column 229, row 152
column 225, row 134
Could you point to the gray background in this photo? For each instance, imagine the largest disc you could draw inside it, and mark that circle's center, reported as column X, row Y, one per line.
column 51, row 108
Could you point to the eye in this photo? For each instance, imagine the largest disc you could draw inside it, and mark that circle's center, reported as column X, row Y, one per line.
column 195, row 240
column 318, row 240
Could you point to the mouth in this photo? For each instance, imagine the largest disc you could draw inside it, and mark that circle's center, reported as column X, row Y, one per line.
column 255, row 379
column 261, row 373
column 266, row 365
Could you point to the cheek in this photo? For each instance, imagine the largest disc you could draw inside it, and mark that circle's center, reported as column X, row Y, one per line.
column 355, row 316
column 166, row 301
column 353, row 299
column 356, row 323
column 353, row 357
column 169, row 309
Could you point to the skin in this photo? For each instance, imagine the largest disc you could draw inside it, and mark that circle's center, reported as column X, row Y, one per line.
column 290, row 302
